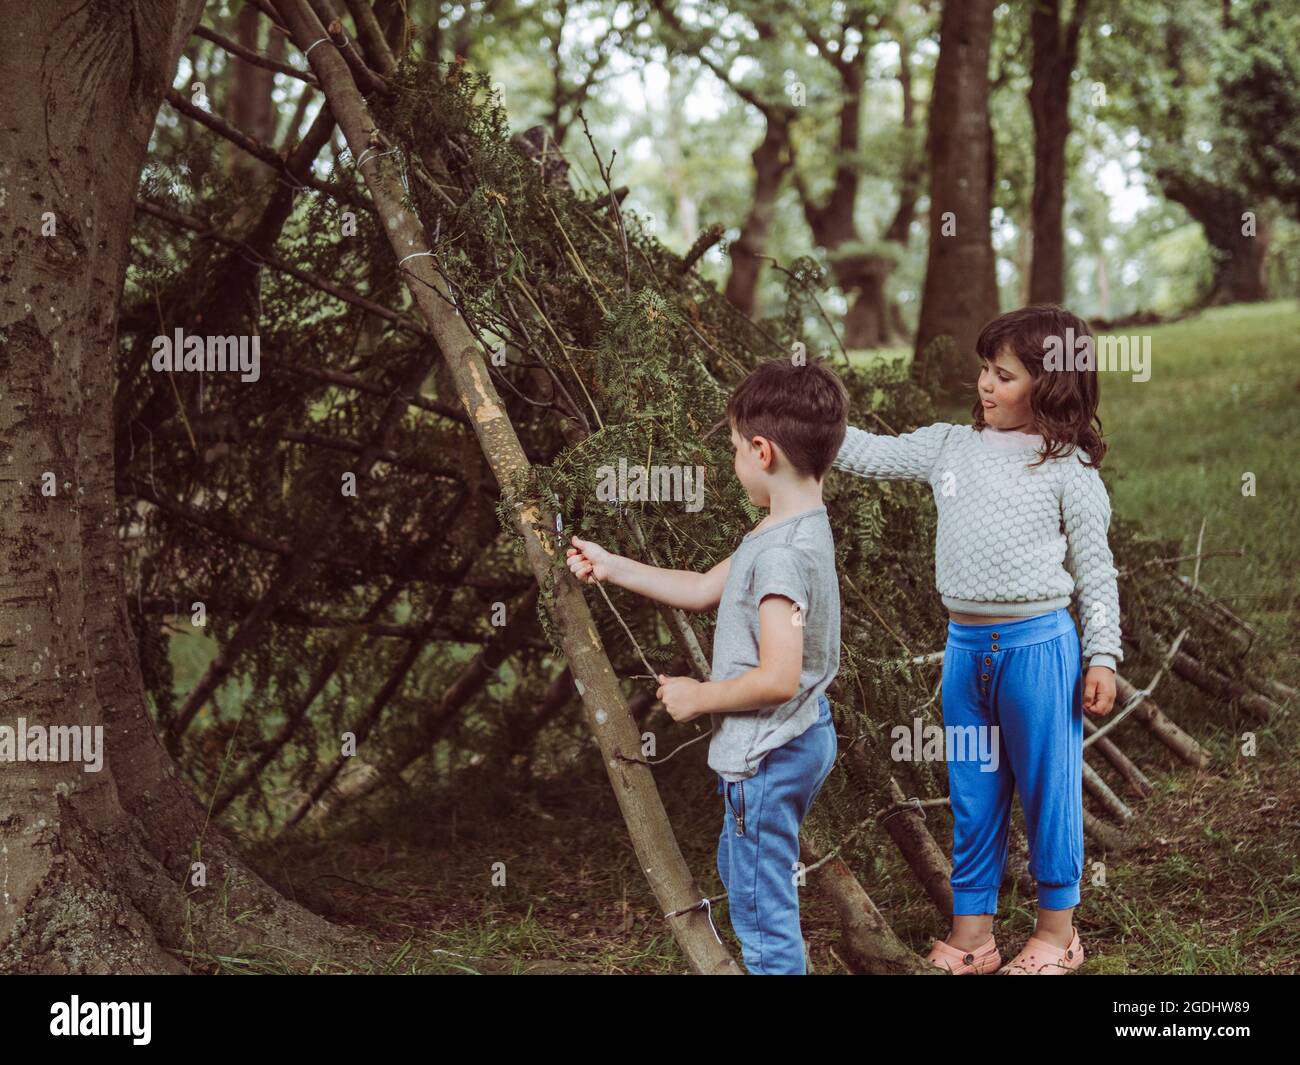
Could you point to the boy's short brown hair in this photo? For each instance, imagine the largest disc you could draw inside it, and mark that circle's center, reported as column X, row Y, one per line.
column 803, row 409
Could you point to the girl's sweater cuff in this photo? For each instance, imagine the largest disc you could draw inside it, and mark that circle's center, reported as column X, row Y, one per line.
column 1103, row 660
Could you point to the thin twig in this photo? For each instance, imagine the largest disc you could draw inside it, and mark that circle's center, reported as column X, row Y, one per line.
column 1238, row 553
column 660, row 761
column 614, row 610
column 1141, row 695
column 813, row 296
column 605, row 173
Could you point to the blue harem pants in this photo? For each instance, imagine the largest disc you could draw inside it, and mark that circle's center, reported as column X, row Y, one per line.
column 1026, row 678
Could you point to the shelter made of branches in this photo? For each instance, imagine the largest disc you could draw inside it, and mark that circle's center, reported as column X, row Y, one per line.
column 387, row 613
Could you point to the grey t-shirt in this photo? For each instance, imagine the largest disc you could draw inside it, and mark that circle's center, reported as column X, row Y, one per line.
column 794, row 558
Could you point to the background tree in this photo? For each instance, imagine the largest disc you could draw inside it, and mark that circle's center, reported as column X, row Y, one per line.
column 1178, row 105
column 1055, row 53
column 960, row 281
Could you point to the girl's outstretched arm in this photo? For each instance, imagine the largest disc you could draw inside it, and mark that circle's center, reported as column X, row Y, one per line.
column 1085, row 511
column 908, row 457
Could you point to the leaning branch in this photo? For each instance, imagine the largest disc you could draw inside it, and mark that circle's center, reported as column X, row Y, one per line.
column 262, row 152
column 256, row 58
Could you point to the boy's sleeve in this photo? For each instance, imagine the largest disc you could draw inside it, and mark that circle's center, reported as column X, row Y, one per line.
column 781, row 570
column 1085, row 513
column 909, row 457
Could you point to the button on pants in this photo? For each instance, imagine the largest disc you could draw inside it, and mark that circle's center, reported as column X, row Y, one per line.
column 1025, row 677
column 759, row 847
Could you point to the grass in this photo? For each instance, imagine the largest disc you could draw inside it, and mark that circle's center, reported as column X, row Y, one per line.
column 1210, row 882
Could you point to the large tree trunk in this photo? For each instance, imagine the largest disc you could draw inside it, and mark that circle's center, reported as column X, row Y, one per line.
column 1055, row 54
column 1239, row 250
column 960, row 292
column 1240, row 253
column 603, row 702
column 96, row 867
column 771, row 161
column 861, row 275
column 868, row 323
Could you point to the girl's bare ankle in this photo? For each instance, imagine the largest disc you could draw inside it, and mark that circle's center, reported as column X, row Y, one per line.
column 969, row 941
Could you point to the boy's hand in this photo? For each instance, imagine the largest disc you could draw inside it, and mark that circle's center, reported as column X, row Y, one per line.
column 1099, row 690
column 589, row 561
column 681, row 696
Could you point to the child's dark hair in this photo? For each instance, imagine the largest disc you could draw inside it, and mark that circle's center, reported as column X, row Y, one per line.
column 803, row 409
column 1063, row 401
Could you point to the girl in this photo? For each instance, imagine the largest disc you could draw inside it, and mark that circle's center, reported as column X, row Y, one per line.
column 1015, row 538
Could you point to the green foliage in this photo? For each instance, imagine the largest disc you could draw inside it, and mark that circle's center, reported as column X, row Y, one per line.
column 1260, row 86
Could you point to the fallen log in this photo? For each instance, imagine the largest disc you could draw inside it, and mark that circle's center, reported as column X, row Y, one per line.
column 1101, row 792
column 907, row 828
column 1163, row 729
column 1212, row 682
column 1120, row 762
column 867, row 943
column 918, row 847
column 1267, row 686
column 1106, row 836
column 1240, row 630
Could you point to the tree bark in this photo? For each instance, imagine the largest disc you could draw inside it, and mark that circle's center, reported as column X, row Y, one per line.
column 1240, row 258
column 960, row 293
column 772, row 160
column 1054, row 57
column 96, row 867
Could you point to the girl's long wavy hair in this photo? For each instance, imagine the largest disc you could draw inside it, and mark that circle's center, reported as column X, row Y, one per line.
column 1063, row 401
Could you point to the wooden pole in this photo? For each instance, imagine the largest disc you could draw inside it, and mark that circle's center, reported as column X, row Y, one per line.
column 602, row 700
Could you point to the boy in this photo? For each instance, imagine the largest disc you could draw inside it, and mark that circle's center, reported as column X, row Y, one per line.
column 776, row 648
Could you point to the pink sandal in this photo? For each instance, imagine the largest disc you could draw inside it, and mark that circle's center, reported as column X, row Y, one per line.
column 966, row 962
column 1040, row 958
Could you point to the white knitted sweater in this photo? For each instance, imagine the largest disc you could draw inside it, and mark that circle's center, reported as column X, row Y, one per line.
column 1011, row 540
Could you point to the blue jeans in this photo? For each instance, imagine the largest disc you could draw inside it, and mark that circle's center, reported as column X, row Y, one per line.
column 759, row 846
column 1026, row 678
